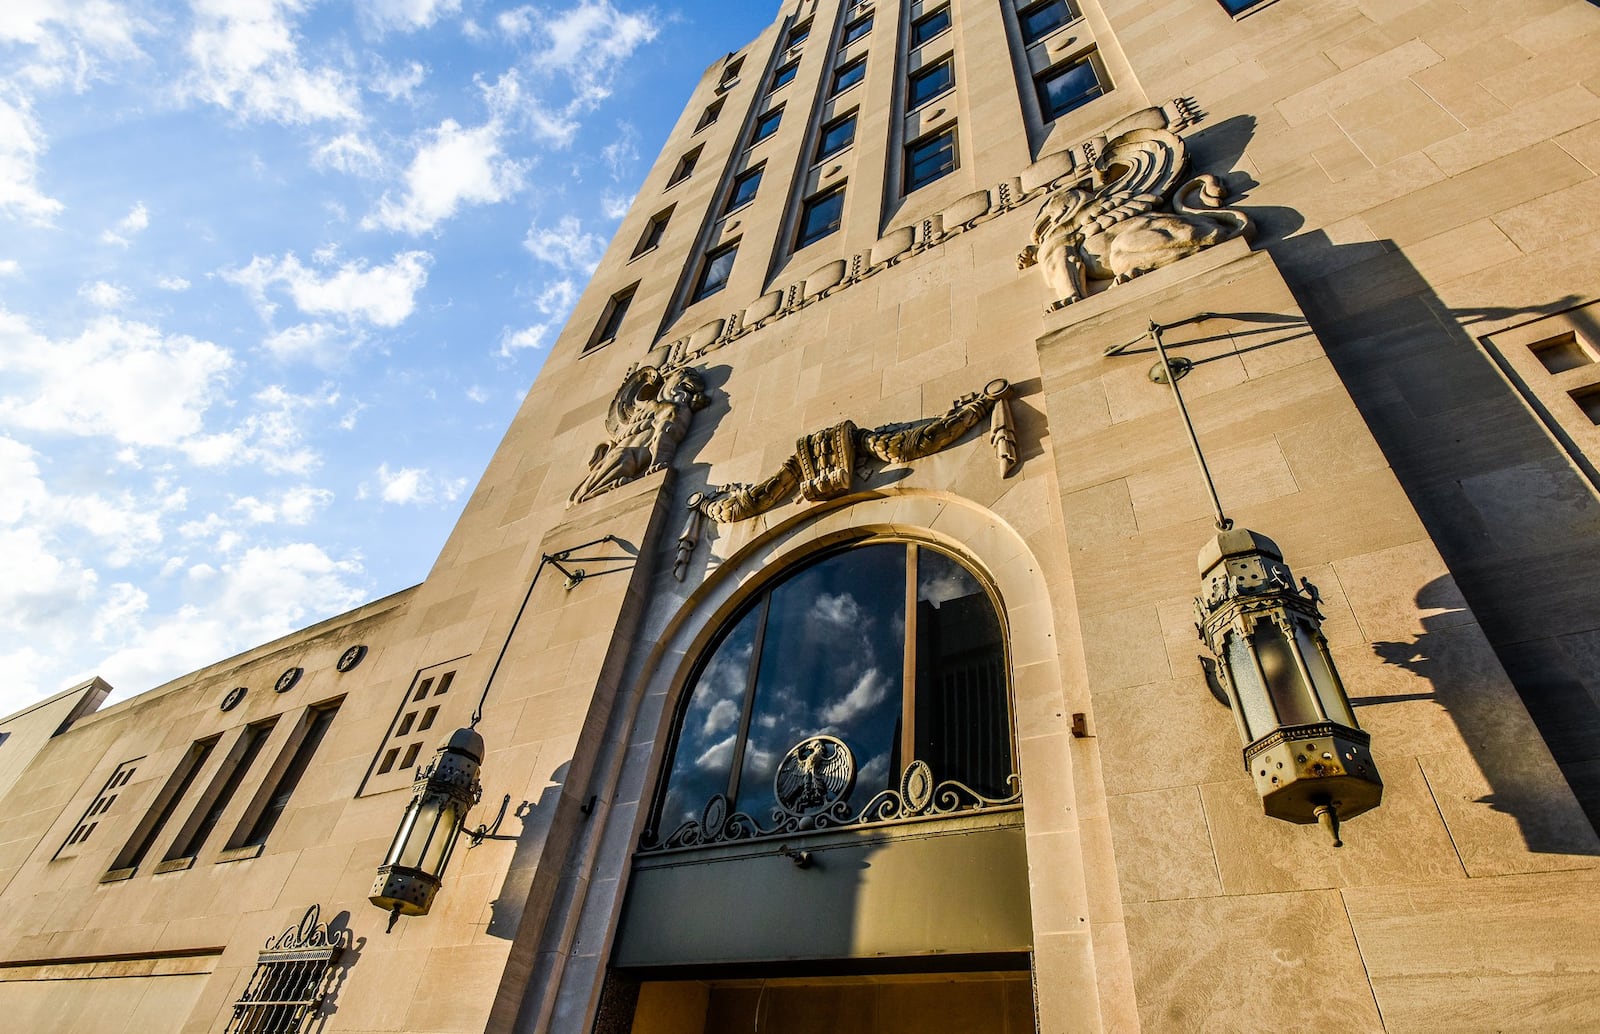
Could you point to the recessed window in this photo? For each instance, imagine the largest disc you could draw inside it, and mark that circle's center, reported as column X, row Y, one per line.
column 929, row 83
column 1562, row 353
column 711, row 114
column 220, row 794
column 1238, row 6
column 1040, row 20
column 836, row 136
column 1588, row 400
column 730, row 74
column 653, row 231
column 849, row 75
column 606, row 332
column 930, row 158
column 799, row 34
column 444, row 683
column 684, row 168
column 784, row 76
column 766, row 125
column 422, row 689
column 930, row 25
column 714, row 274
column 410, row 757
column 101, row 804
column 855, row 30
column 406, row 722
column 1068, row 87
column 165, row 804
column 271, row 801
column 820, row 216
column 744, row 188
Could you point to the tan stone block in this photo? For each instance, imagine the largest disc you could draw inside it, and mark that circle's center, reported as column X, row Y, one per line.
column 1065, row 982
column 1356, row 82
column 1135, row 734
column 1163, row 846
column 1394, row 121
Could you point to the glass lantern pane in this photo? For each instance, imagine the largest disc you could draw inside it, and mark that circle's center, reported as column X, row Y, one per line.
column 1258, row 717
column 407, row 821
column 422, row 827
column 451, row 817
column 962, row 727
column 1326, row 680
column 1290, row 695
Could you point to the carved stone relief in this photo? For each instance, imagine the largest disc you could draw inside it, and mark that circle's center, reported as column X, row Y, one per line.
column 647, row 419
column 1109, row 224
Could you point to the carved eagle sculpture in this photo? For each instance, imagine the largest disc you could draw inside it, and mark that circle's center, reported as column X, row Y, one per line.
column 814, row 774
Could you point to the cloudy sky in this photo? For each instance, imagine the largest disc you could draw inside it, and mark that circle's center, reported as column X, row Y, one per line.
column 274, row 276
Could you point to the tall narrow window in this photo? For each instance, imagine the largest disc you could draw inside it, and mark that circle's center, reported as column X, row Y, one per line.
column 820, row 216
column 653, row 231
column 710, row 115
column 930, row 158
column 766, row 125
column 855, row 30
column 848, row 75
column 784, row 76
column 684, row 168
column 102, row 803
column 836, row 136
column 1067, row 87
column 930, row 25
column 744, row 187
column 929, row 83
column 611, row 322
column 714, row 274
column 220, row 794
column 1040, row 20
column 161, row 809
column 799, row 34
column 275, row 797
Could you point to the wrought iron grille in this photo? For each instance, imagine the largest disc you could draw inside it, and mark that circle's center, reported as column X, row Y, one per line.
column 290, row 980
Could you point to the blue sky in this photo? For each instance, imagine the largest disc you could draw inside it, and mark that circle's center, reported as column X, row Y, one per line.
column 274, row 276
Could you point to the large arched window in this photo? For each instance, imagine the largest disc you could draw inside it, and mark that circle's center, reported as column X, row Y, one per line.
column 868, row 685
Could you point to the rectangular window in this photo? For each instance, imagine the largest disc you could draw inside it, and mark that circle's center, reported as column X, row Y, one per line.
column 1067, row 87
column 849, row 75
column 820, row 216
column 220, row 794
column 730, row 74
column 653, row 231
column 406, row 736
column 102, row 803
column 714, row 274
column 684, row 167
column 766, row 125
column 799, row 34
column 274, row 797
column 929, row 83
column 290, row 982
column 930, row 25
column 1238, row 6
column 711, row 114
column 1040, row 20
column 784, row 76
column 836, row 136
column 164, row 805
column 744, row 188
column 930, row 158
column 606, row 332
column 855, row 30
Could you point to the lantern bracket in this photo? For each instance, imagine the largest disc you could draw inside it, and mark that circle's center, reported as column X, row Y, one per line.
column 490, row 830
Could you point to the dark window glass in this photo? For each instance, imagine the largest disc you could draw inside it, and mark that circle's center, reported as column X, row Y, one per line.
column 849, row 75
column 172, row 795
column 713, row 110
column 929, row 26
column 653, row 232
column 826, row 652
column 930, row 158
column 744, row 188
column 836, row 136
column 714, row 274
column 223, row 789
column 1071, row 86
column 820, row 216
column 730, row 75
column 930, row 83
column 785, row 75
column 280, row 794
column 766, row 125
column 1236, row 6
column 856, row 29
column 799, row 34
column 684, row 167
column 1040, row 20
column 610, row 326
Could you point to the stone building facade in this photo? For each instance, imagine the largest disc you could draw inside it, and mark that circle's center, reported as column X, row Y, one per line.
column 828, row 613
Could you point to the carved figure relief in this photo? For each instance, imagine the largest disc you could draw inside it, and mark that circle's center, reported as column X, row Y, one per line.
column 1111, row 226
column 647, row 419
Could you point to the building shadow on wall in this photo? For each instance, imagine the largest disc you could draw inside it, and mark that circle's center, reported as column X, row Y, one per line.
column 535, row 819
column 339, row 932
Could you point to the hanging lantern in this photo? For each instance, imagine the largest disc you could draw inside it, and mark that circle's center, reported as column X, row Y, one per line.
column 440, row 799
column 1308, row 757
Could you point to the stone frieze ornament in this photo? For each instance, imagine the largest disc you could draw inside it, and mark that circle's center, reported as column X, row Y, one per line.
column 825, row 462
column 1132, row 213
column 648, row 417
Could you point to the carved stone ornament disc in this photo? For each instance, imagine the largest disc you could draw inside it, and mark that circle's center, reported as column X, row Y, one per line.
column 816, row 773
column 916, row 787
column 716, row 814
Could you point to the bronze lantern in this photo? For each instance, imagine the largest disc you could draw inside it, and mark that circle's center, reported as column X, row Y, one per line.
column 442, row 795
column 1309, row 759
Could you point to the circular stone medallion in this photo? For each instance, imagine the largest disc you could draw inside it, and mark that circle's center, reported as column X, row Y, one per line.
column 231, row 700
column 916, row 787
column 350, row 658
column 287, row 680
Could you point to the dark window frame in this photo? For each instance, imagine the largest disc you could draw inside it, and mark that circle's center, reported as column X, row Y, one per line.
column 653, row 231
column 856, row 30
column 1051, row 111
column 917, row 39
column 909, row 184
column 797, row 35
column 685, row 167
column 750, row 175
column 278, row 788
column 709, row 116
column 804, row 238
column 824, row 149
column 766, row 125
column 608, row 326
column 945, row 65
column 703, row 286
column 783, row 75
column 219, row 795
column 836, row 85
column 1030, row 36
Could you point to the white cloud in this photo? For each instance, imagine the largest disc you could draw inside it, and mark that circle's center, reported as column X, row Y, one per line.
column 527, row 339
column 452, row 167
column 136, row 221
column 588, row 44
column 121, row 379
column 66, row 41
column 9, row 267
column 407, row 15
column 620, row 153
column 382, row 295
column 104, row 296
column 869, row 691
column 615, row 206
column 272, row 436
column 246, row 59
column 21, row 145
column 477, row 394
column 566, row 246
column 416, row 485
column 295, row 506
column 398, row 85
column 173, row 283
column 349, row 153
column 320, row 343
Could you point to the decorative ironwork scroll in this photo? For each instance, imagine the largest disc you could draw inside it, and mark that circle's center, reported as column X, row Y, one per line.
column 810, row 797
column 288, row 986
